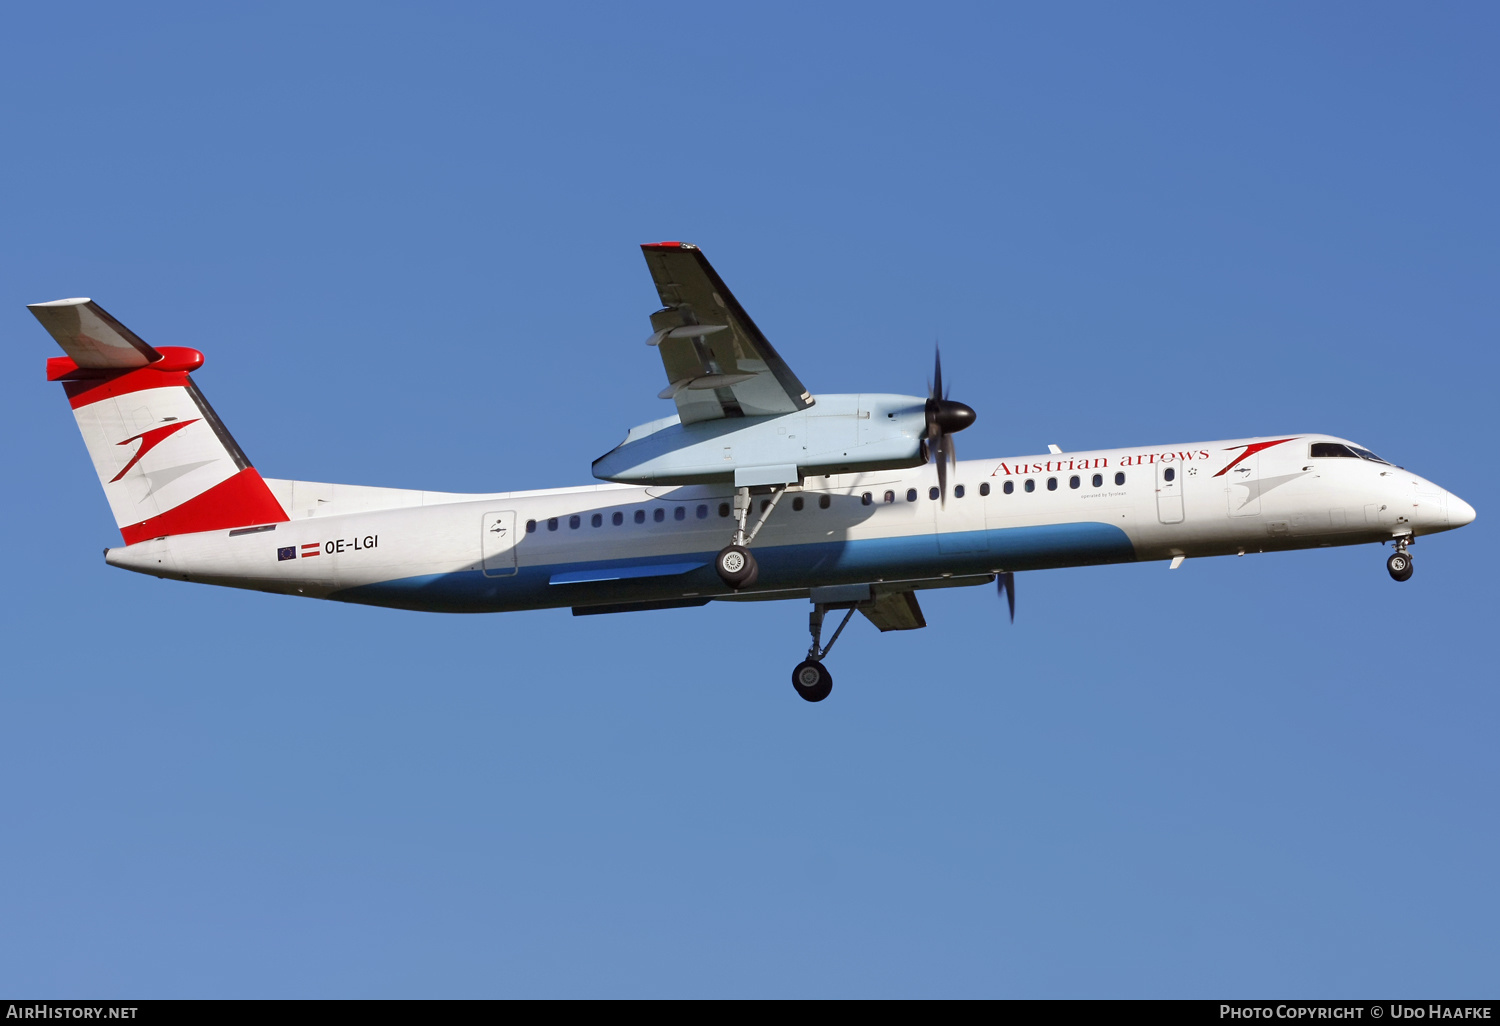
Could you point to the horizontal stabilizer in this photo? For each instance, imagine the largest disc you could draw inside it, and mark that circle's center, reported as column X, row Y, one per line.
column 94, row 339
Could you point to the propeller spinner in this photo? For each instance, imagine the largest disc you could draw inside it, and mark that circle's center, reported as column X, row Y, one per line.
column 944, row 418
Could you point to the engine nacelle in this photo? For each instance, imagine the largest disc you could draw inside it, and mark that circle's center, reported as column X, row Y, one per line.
column 839, row 434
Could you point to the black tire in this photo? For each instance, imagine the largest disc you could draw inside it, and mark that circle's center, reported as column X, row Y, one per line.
column 1399, row 566
column 812, row 680
column 736, row 567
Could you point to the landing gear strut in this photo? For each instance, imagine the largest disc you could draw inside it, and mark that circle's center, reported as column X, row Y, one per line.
column 735, row 565
column 811, row 678
column 1399, row 565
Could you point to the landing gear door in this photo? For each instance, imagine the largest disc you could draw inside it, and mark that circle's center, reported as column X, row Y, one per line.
column 1242, row 486
column 498, row 544
column 1169, row 493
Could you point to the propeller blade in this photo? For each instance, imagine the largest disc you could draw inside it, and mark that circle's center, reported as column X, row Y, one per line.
column 1006, row 582
column 937, row 373
column 942, row 469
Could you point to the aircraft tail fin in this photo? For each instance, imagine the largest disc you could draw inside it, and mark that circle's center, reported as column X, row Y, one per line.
column 166, row 462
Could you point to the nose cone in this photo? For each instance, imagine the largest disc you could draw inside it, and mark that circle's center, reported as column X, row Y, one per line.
column 1459, row 511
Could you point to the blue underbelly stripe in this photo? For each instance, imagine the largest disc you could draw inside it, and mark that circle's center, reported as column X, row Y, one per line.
column 622, row 573
column 781, row 567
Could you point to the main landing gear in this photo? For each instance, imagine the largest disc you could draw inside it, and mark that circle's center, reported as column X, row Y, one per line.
column 734, row 563
column 811, row 678
column 1399, row 565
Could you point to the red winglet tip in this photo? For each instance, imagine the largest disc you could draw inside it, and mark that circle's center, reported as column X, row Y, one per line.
column 662, row 245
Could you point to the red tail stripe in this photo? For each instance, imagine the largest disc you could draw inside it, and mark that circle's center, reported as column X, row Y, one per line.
column 242, row 501
column 90, row 391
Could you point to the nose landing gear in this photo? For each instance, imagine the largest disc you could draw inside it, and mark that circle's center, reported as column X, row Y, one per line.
column 1399, row 565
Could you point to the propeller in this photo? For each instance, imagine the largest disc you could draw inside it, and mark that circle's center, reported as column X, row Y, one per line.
column 944, row 418
column 1006, row 582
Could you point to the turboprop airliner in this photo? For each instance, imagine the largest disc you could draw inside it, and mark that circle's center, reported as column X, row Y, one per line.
column 753, row 489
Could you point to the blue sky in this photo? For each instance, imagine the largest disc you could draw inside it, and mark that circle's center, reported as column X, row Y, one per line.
column 406, row 239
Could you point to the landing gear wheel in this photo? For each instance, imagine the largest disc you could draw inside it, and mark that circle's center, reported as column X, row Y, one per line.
column 1399, row 566
column 812, row 680
column 736, row 567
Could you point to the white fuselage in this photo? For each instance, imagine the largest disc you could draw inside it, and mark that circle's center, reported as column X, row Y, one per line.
column 609, row 545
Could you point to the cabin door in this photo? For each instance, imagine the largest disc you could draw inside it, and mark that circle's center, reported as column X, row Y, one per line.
column 1169, row 493
column 497, row 543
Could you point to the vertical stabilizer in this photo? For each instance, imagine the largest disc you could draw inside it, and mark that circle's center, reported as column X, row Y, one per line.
column 166, row 462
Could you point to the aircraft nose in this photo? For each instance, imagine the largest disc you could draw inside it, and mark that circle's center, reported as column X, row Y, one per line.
column 1459, row 511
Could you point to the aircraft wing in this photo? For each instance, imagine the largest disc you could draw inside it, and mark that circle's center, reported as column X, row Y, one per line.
column 718, row 363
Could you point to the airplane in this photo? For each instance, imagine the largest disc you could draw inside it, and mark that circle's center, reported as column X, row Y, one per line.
column 755, row 489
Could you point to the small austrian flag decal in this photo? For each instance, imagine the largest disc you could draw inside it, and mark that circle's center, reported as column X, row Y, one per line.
column 311, row 549
column 289, row 552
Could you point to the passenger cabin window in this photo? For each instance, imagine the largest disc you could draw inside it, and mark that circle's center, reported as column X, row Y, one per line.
column 551, row 523
column 797, row 504
column 640, row 516
column 824, row 501
column 984, row 488
column 890, row 496
column 1030, row 485
column 1098, row 480
column 1120, row 478
column 617, row 518
column 658, row 514
column 1170, row 474
column 932, row 493
column 1051, row 484
column 702, row 512
column 573, row 522
column 597, row 519
column 531, row 527
column 1073, row 481
column 911, row 495
column 866, row 499
column 723, row 509
column 958, row 491
column 680, row 513
column 1010, row 486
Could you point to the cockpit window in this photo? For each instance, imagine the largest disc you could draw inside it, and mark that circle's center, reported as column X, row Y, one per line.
column 1366, row 454
column 1339, row 449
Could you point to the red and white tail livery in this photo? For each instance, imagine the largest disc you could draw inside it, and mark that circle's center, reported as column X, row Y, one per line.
column 167, row 464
